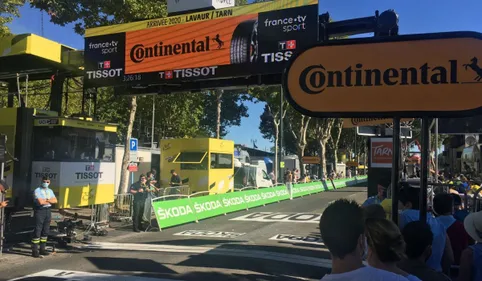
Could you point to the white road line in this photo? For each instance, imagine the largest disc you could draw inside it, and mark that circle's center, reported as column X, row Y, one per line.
column 86, row 276
column 210, row 234
column 280, row 217
column 297, row 259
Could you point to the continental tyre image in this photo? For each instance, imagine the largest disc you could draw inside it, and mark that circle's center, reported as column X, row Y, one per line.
column 244, row 43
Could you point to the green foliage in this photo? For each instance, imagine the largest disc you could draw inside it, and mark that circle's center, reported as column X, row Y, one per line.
column 87, row 14
column 233, row 110
column 8, row 11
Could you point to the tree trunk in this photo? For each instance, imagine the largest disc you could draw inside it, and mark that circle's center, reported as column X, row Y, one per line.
column 219, row 96
column 124, row 181
column 323, row 159
column 276, row 137
column 301, row 153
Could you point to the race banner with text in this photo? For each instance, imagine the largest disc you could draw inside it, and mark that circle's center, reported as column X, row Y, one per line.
column 246, row 40
column 176, row 212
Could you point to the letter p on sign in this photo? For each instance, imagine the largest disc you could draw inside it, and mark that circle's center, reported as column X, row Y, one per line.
column 133, row 146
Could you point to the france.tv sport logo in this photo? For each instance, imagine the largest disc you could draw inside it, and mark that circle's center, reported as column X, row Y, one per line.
column 290, row 24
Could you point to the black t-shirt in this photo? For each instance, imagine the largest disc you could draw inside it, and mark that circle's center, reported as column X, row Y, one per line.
column 175, row 180
column 139, row 196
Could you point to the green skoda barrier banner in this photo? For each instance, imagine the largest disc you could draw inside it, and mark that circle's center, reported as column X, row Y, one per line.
column 180, row 211
column 174, row 212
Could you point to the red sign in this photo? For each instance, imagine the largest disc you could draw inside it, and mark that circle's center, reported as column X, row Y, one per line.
column 132, row 167
column 381, row 153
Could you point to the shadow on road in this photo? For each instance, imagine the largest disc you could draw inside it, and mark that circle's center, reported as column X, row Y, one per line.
column 129, row 265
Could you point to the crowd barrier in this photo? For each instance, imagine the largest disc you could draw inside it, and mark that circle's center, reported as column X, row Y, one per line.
column 192, row 209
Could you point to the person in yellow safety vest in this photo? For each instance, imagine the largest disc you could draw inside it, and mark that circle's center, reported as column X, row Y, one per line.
column 44, row 197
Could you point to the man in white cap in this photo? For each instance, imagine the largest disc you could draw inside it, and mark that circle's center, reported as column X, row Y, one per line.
column 471, row 258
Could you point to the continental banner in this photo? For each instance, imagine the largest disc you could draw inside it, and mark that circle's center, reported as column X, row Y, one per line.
column 233, row 42
column 176, row 212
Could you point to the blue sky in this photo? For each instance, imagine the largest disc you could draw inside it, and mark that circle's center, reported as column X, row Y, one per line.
column 416, row 16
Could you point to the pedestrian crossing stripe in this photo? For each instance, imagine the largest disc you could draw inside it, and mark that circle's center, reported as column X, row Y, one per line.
column 55, row 274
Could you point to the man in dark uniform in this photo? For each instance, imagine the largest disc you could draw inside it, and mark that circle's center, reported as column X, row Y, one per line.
column 139, row 189
column 44, row 197
column 175, row 179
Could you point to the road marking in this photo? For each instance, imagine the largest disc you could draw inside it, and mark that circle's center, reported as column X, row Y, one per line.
column 211, row 234
column 296, row 259
column 298, row 239
column 55, row 274
column 280, row 217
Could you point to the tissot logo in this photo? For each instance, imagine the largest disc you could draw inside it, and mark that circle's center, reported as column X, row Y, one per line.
column 316, row 78
column 140, row 52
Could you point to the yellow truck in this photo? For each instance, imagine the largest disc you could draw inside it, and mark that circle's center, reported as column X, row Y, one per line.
column 203, row 164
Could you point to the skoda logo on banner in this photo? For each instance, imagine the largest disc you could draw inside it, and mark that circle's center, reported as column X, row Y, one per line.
column 400, row 75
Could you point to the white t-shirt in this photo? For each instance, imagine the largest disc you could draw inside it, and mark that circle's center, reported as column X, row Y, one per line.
column 366, row 273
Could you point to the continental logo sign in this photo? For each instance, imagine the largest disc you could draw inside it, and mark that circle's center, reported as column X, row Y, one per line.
column 357, row 122
column 192, row 45
column 200, row 17
column 439, row 74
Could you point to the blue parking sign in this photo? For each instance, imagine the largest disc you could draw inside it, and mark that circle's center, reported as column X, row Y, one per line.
column 133, row 144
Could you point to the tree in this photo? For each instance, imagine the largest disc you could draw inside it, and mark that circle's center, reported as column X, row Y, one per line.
column 8, row 10
column 222, row 109
column 298, row 125
column 87, row 14
column 334, row 140
column 271, row 115
column 322, row 131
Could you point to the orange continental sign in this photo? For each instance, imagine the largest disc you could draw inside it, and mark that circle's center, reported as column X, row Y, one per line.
column 310, row 160
column 191, row 45
column 411, row 76
column 356, row 122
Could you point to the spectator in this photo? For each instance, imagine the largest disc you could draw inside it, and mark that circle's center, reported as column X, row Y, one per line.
column 374, row 211
column 441, row 250
column 418, row 248
column 459, row 239
column 386, row 246
column 3, row 189
column 459, row 213
column 289, row 183
column 272, row 177
column 377, row 199
column 175, row 179
column 154, row 174
column 387, row 207
column 347, row 244
column 471, row 259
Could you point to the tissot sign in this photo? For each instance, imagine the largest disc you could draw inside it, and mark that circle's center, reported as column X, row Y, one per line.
column 232, row 42
column 428, row 74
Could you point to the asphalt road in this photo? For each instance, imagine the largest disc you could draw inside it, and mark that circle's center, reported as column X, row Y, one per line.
column 279, row 241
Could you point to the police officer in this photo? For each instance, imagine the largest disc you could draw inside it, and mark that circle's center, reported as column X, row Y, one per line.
column 44, row 198
column 139, row 189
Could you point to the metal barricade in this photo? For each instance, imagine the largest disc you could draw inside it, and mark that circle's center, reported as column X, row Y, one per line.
column 121, row 209
column 199, row 193
column 173, row 190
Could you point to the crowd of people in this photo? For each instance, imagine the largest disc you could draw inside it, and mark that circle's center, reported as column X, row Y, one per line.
column 370, row 246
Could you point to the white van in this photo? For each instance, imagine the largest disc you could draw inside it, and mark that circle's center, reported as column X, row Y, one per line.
column 250, row 175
